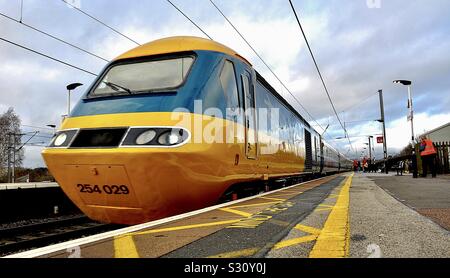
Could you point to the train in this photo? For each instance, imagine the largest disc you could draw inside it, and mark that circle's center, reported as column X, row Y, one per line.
column 179, row 124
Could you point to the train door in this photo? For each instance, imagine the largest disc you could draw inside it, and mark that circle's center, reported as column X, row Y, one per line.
column 316, row 155
column 250, row 116
column 339, row 162
column 308, row 149
column 322, row 154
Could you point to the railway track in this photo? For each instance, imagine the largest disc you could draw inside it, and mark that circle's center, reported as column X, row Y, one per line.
column 27, row 237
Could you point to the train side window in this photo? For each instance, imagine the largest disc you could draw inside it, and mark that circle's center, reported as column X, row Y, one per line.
column 229, row 85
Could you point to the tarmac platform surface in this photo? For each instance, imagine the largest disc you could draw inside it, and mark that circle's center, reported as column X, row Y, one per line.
column 346, row 215
column 383, row 224
column 428, row 196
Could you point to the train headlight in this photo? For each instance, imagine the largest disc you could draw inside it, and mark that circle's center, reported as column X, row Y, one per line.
column 146, row 137
column 154, row 136
column 60, row 139
column 63, row 138
column 169, row 138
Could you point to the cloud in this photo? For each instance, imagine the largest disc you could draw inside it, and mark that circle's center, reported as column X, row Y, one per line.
column 23, row 68
column 359, row 50
column 399, row 131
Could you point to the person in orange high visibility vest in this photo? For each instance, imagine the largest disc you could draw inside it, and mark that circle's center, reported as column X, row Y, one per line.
column 364, row 165
column 428, row 154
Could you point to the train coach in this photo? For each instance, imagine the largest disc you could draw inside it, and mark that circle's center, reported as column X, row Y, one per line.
column 151, row 136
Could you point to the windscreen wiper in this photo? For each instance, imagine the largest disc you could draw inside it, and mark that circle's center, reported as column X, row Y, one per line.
column 116, row 87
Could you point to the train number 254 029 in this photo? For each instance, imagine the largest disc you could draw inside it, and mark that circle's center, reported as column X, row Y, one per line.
column 107, row 189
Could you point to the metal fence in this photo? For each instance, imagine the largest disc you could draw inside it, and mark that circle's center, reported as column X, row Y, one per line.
column 442, row 158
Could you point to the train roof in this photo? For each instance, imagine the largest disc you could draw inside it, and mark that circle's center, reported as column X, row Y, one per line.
column 178, row 44
column 189, row 43
column 269, row 87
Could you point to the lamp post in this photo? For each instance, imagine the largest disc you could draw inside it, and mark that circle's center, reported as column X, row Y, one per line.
column 382, row 120
column 70, row 88
column 370, row 147
column 410, row 106
column 411, row 118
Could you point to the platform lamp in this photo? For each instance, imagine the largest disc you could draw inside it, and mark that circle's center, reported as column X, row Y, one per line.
column 370, row 147
column 70, row 88
column 410, row 106
column 410, row 118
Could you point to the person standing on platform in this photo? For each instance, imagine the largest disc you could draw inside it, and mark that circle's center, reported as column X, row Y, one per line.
column 364, row 165
column 414, row 164
column 428, row 154
column 400, row 168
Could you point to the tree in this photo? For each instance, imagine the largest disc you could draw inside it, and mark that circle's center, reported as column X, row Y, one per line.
column 406, row 150
column 9, row 133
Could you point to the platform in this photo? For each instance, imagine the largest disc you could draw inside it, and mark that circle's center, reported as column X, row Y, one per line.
column 346, row 215
column 27, row 185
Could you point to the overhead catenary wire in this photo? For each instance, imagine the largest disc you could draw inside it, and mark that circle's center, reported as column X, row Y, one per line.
column 100, row 22
column 48, row 57
column 188, row 18
column 359, row 103
column 35, row 145
column 358, row 121
column 315, row 63
column 53, row 37
column 209, row 37
column 264, row 62
column 91, row 73
column 318, row 70
column 41, row 136
column 37, row 127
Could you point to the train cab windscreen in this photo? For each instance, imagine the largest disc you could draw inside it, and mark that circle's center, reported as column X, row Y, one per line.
column 143, row 77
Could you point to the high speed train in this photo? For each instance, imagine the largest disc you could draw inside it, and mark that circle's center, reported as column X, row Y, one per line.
column 179, row 124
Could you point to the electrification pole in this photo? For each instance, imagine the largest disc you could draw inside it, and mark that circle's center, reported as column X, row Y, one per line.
column 411, row 114
column 14, row 159
column 384, row 130
column 9, row 157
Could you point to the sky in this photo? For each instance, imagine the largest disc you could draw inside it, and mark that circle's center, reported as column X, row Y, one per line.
column 361, row 46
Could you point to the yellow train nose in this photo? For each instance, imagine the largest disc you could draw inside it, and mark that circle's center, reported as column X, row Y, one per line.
column 133, row 186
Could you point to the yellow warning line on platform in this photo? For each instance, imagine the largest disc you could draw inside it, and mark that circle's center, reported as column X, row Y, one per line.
column 322, row 207
column 292, row 191
column 333, row 241
column 177, row 228
column 294, row 241
column 326, row 206
column 236, row 254
column 314, row 233
column 308, row 229
column 238, row 212
column 255, row 205
column 284, row 194
column 124, row 247
column 270, row 198
column 234, row 210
